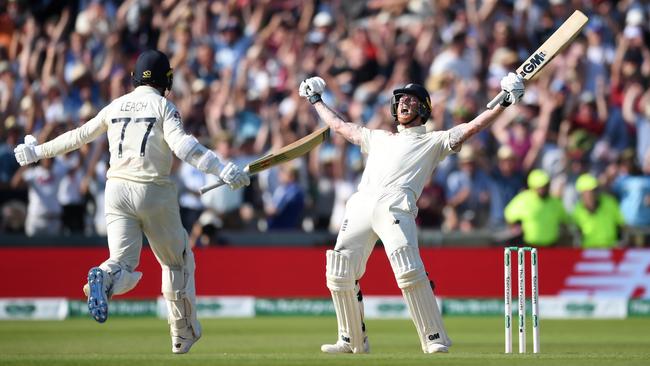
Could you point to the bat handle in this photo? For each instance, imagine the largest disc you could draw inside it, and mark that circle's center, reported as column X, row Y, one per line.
column 219, row 182
column 212, row 186
column 498, row 99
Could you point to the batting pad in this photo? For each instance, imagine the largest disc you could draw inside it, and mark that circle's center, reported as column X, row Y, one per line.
column 416, row 288
column 178, row 291
column 341, row 282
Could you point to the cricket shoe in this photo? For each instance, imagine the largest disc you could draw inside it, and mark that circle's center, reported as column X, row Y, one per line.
column 99, row 288
column 182, row 343
column 436, row 348
column 344, row 347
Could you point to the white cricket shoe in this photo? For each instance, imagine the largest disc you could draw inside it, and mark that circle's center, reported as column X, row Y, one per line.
column 436, row 348
column 182, row 345
column 183, row 339
column 343, row 347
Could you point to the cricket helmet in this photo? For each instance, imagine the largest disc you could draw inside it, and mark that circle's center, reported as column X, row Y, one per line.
column 152, row 68
column 418, row 91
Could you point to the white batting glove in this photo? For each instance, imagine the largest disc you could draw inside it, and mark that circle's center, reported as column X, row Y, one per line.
column 312, row 88
column 26, row 153
column 234, row 177
column 513, row 85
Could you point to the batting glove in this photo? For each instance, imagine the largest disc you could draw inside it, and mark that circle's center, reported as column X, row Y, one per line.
column 312, row 88
column 27, row 153
column 513, row 85
column 234, row 177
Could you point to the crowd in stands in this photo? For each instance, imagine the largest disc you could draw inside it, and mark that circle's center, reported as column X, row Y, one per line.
column 237, row 65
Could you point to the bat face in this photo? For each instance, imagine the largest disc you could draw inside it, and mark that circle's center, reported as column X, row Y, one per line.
column 553, row 45
column 290, row 152
column 532, row 65
column 545, row 53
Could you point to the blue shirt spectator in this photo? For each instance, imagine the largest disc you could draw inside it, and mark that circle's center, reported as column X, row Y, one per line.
column 287, row 202
column 634, row 195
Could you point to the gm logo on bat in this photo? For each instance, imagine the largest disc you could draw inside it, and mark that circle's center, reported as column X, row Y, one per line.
column 532, row 64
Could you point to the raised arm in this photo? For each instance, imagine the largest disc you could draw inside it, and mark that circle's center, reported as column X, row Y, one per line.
column 513, row 85
column 312, row 89
column 462, row 132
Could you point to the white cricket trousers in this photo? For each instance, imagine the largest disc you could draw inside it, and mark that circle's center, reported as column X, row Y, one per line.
column 370, row 215
column 136, row 208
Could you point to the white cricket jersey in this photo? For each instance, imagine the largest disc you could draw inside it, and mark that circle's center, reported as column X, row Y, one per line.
column 142, row 127
column 403, row 160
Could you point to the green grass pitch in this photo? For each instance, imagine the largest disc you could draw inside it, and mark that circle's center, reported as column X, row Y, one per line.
column 297, row 340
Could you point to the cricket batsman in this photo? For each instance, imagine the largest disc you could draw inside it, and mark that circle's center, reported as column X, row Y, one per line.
column 398, row 166
column 144, row 129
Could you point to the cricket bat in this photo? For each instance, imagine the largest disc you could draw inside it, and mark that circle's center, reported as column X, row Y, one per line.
column 549, row 49
column 295, row 149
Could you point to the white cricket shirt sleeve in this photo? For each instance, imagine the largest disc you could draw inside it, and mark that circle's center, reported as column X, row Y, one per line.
column 366, row 136
column 172, row 125
column 74, row 139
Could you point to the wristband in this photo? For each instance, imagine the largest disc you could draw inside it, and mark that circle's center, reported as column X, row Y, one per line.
column 315, row 99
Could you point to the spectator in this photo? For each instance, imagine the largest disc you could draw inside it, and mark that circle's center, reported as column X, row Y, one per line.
column 596, row 214
column 44, row 209
column 8, row 164
column 506, row 182
column 287, row 203
column 236, row 68
column 634, row 194
column 537, row 215
column 468, row 194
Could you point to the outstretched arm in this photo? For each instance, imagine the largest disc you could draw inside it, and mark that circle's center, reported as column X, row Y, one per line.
column 462, row 132
column 513, row 86
column 312, row 89
column 351, row 131
column 30, row 152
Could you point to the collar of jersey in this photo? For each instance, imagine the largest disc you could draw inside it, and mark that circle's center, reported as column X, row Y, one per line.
column 417, row 130
column 146, row 89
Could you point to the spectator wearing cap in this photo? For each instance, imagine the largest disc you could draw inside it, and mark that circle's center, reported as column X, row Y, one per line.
column 596, row 214
column 538, row 215
column 468, row 193
column 506, row 181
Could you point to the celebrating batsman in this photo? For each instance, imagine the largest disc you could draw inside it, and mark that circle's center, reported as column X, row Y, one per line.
column 143, row 128
column 384, row 207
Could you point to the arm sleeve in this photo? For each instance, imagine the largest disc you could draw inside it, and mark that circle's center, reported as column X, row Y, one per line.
column 185, row 146
column 173, row 130
column 366, row 136
column 74, row 139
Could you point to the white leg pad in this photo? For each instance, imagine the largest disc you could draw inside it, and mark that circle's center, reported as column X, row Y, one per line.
column 178, row 291
column 418, row 294
column 341, row 282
